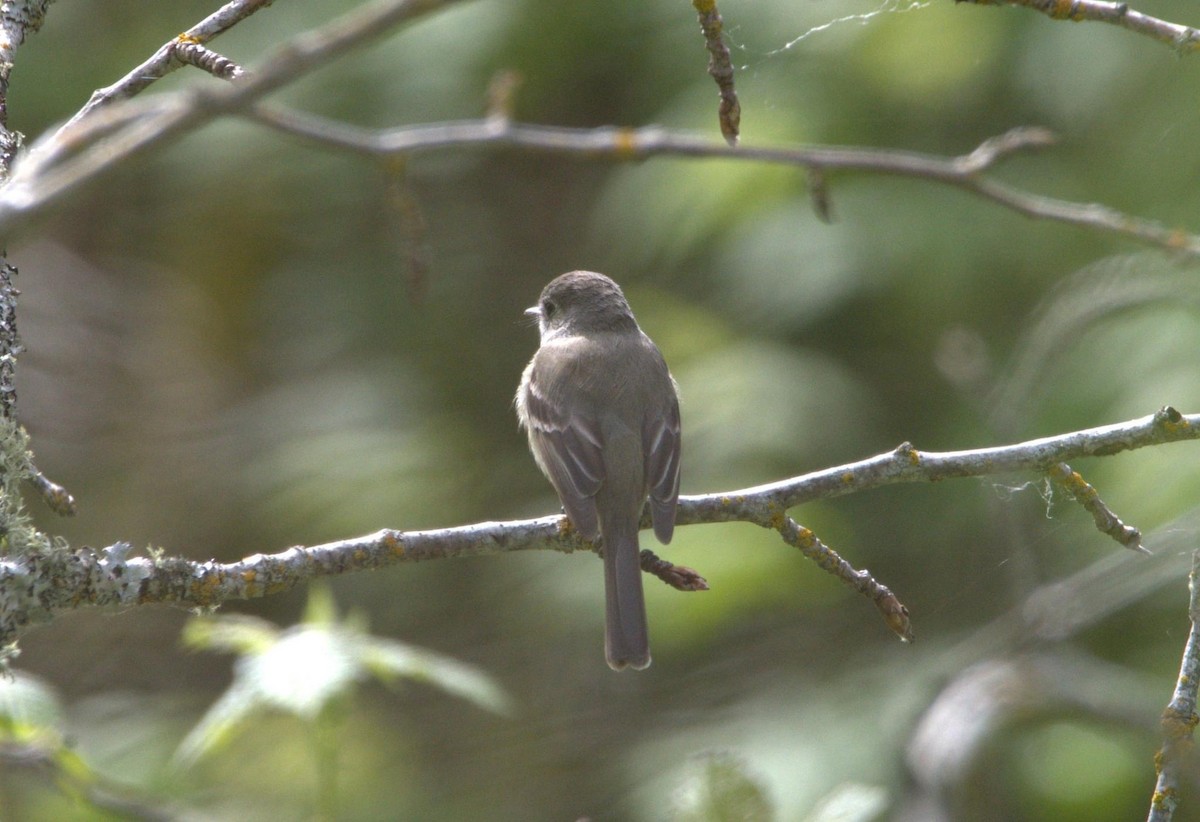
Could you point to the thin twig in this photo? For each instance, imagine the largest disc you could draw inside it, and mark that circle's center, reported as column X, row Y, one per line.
column 720, row 68
column 163, row 61
column 1179, row 719
column 828, row 560
column 963, row 172
column 1087, row 496
column 1184, row 39
column 679, row 577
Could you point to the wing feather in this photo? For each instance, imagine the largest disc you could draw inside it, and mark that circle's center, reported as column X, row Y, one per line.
column 568, row 448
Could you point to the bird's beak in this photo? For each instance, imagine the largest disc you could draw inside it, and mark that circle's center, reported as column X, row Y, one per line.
column 534, row 311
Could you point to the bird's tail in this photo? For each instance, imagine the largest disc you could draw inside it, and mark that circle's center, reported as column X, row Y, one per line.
column 626, row 641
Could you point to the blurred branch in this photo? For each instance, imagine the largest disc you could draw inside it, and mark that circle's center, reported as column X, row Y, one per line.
column 104, row 136
column 1179, row 720
column 1021, row 667
column 963, row 172
column 1184, row 39
column 87, row 147
column 37, row 584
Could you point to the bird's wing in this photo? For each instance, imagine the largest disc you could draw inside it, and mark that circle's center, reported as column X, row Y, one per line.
column 661, row 444
column 568, row 448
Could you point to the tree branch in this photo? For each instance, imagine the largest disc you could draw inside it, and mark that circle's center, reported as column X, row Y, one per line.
column 1179, row 720
column 1087, row 496
column 164, row 61
column 88, row 146
column 1185, row 39
column 85, row 148
column 36, row 584
column 963, row 172
column 720, row 68
column 18, row 20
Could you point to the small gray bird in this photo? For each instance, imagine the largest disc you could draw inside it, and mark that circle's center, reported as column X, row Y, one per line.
column 602, row 415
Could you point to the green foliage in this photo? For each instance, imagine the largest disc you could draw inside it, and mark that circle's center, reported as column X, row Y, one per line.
column 721, row 789
column 32, row 727
column 308, row 669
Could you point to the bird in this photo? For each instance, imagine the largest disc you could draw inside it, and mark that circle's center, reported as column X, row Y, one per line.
column 601, row 411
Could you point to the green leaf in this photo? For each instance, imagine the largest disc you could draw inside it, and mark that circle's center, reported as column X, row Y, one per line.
column 388, row 659
column 235, row 632
column 303, row 670
column 218, row 724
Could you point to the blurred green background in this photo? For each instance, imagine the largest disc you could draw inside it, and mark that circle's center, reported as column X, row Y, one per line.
column 228, row 354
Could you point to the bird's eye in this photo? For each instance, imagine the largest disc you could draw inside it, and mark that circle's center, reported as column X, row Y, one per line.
column 548, row 308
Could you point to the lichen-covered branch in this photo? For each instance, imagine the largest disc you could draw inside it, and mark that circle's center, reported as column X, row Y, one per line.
column 1184, row 39
column 18, row 20
column 41, row 580
column 1179, row 719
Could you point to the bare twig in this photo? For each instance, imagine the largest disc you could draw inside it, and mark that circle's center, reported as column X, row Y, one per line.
column 412, row 231
column 1184, row 39
column 163, row 61
column 37, row 585
column 1087, row 496
column 828, row 560
column 720, row 68
column 1179, row 720
column 679, row 577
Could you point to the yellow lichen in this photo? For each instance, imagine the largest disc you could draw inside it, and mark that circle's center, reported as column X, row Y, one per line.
column 394, row 545
column 625, row 143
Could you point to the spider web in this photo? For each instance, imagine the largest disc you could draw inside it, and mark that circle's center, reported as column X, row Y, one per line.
column 862, row 19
